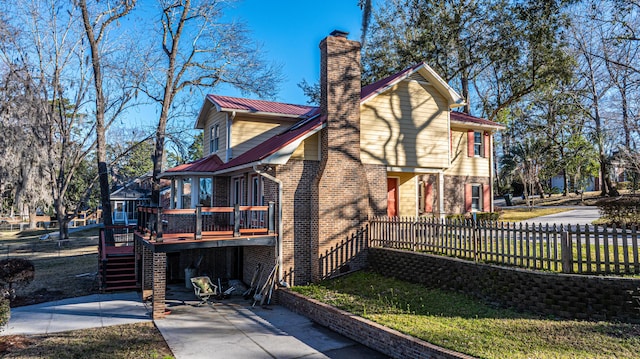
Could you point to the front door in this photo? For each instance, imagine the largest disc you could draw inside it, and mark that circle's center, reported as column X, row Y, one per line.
column 120, row 212
column 392, row 197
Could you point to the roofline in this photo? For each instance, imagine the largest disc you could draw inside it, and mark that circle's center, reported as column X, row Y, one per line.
column 457, row 100
column 269, row 159
column 271, row 114
column 204, row 103
column 478, row 125
column 184, row 173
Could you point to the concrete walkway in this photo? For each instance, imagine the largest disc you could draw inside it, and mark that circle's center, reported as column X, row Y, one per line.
column 227, row 329
column 92, row 311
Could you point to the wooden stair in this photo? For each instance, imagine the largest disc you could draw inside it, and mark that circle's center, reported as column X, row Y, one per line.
column 118, row 273
column 117, row 263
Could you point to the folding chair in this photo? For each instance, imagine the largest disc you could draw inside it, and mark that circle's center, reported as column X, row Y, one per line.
column 204, row 289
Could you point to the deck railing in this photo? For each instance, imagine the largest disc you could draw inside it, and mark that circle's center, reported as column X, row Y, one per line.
column 210, row 221
column 567, row 249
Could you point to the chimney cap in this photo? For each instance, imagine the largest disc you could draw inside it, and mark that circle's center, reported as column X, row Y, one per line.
column 339, row 33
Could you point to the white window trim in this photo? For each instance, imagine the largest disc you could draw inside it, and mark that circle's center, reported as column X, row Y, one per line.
column 481, row 144
column 480, row 197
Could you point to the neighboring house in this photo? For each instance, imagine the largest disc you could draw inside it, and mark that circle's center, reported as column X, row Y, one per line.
column 126, row 199
column 591, row 184
column 390, row 148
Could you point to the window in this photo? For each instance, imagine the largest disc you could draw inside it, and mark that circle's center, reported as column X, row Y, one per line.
column 186, row 193
column 214, row 141
column 257, row 196
column 206, row 192
column 477, row 144
column 237, row 195
column 476, row 197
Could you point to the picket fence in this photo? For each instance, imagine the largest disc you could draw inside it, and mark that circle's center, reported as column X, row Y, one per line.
column 564, row 248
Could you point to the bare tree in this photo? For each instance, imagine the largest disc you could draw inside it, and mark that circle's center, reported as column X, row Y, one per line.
column 97, row 21
column 200, row 50
column 587, row 44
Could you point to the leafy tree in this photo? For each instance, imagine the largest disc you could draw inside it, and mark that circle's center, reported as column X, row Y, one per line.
column 134, row 162
column 180, row 154
column 24, row 136
column 526, row 160
column 195, row 149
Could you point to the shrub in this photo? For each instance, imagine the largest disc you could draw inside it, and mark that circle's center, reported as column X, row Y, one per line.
column 15, row 271
column 623, row 185
column 621, row 210
column 480, row 216
column 5, row 312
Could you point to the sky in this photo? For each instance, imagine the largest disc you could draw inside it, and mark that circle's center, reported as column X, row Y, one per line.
column 290, row 32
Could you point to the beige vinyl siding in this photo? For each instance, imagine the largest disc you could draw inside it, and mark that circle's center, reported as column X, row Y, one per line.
column 308, row 150
column 461, row 163
column 406, row 193
column 221, row 119
column 247, row 133
column 407, row 126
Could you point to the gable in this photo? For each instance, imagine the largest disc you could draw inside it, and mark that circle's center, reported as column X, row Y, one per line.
column 406, row 126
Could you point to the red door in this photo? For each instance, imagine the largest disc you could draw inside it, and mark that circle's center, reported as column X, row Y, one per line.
column 392, row 197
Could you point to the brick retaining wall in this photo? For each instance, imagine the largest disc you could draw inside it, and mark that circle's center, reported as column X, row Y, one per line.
column 387, row 341
column 561, row 295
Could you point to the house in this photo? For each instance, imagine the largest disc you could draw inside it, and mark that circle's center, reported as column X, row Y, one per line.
column 126, row 199
column 392, row 148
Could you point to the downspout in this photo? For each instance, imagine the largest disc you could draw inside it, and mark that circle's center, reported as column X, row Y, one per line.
column 280, row 228
column 491, row 174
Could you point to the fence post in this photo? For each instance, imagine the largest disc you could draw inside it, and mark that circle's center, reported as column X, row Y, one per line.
column 198, row 232
column 567, row 254
column 413, row 235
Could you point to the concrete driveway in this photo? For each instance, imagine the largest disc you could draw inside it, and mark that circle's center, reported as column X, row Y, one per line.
column 232, row 328
column 576, row 216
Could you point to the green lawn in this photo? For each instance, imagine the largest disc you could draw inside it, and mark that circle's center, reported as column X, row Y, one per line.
column 521, row 214
column 460, row 323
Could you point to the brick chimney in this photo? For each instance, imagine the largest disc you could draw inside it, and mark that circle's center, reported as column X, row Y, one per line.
column 341, row 189
column 340, row 83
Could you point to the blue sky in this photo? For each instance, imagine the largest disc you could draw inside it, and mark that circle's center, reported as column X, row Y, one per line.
column 290, row 32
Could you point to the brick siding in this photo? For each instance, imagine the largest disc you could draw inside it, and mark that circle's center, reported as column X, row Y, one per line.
column 297, row 177
column 454, row 199
column 387, row 341
column 340, row 200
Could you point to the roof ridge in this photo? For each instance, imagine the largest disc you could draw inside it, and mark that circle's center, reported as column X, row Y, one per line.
column 260, row 100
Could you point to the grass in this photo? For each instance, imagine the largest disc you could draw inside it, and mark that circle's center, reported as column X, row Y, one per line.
column 62, row 269
column 466, row 325
column 133, row 341
column 521, row 214
column 64, row 272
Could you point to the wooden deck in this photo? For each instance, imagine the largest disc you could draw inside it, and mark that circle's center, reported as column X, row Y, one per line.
column 174, row 242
